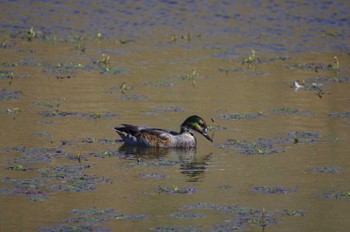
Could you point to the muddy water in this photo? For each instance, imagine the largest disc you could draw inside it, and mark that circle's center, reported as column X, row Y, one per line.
column 279, row 160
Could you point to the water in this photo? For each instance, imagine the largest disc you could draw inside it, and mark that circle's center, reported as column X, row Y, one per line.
column 279, row 158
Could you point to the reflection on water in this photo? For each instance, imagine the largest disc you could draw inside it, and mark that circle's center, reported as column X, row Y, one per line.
column 190, row 165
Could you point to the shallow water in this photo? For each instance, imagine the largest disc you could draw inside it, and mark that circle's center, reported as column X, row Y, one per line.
column 279, row 160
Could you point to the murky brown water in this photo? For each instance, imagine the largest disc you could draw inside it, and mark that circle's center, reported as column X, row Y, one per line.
column 279, row 161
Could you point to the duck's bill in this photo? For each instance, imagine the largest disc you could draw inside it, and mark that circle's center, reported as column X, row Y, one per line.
column 207, row 136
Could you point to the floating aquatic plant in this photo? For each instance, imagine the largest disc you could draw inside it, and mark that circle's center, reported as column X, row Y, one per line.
column 59, row 113
column 176, row 190
column 240, row 116
column 9, row 94
column 327, row 170
column 316, row 66
column 273, row 189
column 338, row 195
column 266, row 146
column 340, row 115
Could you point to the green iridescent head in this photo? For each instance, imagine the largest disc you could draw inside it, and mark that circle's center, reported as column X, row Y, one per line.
column 196, row 123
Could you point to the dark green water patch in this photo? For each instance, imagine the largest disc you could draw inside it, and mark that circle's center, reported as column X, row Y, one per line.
column 273, row 189
column 331, row 170
column 9, row 94
column 59, row 113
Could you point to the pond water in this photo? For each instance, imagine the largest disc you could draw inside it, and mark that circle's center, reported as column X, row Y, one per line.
column 270, row 78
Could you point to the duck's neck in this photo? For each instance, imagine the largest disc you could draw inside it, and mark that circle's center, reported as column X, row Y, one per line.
column 184, row 129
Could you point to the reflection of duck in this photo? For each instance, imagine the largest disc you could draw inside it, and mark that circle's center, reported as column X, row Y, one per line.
column 190, row 166
column 152, row 137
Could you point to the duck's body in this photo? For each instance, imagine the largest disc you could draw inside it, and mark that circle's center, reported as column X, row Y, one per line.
column 152, row 137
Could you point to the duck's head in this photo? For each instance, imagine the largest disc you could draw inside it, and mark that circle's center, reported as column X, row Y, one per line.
column 196, row 123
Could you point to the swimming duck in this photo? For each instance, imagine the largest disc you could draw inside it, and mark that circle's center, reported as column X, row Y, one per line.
column 153, row 137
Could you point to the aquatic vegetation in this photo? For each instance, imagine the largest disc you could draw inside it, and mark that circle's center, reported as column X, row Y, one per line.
column 153, row 176
column 107, row 154
column 46, row 105
column 186, row 215
column 9, row 111
column 59, row 113
column 273, row 189
column 156, row 162
column 251, row 59
column 259, row 147
column 285, row 110
column 327, row 170
column 169, row 109
column 345, row 195
column 6, row 74
column 90, row 220
column 176, row 190
column 240, row 217
column 316, row 66
column 124, row 88
column 132, row 97
column 158, row 84
column 267, row 146
column 239, row 116
column 339, row 115
column 20, row 168
column 9, row 94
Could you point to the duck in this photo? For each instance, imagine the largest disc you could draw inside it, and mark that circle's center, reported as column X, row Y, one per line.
column 153, row 137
